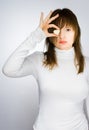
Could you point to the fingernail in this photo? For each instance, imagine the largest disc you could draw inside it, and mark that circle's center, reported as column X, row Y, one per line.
column 56, row 32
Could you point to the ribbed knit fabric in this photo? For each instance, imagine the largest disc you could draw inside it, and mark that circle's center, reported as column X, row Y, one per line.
column 62, row 91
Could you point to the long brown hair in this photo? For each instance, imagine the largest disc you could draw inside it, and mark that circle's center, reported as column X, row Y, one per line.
column 66, row 17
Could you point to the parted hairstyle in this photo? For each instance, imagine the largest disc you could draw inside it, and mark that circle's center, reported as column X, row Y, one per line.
column 66, row 17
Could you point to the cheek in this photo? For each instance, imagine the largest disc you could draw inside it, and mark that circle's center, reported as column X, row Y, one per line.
column 72, row 38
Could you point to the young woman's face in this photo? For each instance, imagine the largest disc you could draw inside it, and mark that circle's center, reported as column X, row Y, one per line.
column 65, row 39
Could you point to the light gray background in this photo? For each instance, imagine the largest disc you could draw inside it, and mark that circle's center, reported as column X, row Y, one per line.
column 19, row 97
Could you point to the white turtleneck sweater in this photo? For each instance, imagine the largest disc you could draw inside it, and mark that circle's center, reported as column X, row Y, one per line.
column 63, row 94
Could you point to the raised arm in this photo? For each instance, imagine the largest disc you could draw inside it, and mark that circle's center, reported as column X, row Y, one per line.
column 17, row 65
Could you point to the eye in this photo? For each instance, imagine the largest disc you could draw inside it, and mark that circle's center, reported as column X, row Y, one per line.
column 68, row 29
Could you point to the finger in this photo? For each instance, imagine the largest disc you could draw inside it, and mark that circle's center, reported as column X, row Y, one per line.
column 48, row 16
column 53, row 26
column 53, row 35
column 53, row 18
column 41, row 17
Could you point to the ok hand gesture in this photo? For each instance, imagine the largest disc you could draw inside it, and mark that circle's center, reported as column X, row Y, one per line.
column 45, row 24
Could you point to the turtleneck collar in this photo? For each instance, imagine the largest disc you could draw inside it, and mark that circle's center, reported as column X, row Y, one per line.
column 65, row 54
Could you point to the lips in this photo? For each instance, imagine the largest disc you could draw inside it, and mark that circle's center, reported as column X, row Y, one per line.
column 62, row 42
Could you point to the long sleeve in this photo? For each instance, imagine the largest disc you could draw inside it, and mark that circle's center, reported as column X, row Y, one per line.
column 86, row 107
column 86, row 101
column 17, row 63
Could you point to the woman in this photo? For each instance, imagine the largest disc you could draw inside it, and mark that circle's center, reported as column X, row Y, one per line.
column 61, row 72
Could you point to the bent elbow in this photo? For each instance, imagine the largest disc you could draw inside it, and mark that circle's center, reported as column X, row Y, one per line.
column 7, row 72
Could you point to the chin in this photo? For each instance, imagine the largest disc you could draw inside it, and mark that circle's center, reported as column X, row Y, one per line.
column 63, row 47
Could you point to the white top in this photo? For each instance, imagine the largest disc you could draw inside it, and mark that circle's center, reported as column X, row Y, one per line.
column 62, row 91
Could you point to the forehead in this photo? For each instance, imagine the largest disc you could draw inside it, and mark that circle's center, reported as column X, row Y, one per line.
column 67, row 26
column 65, row 23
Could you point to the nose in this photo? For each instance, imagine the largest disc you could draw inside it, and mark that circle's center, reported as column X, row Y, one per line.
column 61, row 34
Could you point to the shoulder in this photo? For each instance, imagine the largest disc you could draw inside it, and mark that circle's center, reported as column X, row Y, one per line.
column 86, row 59
column 86, row 63
column 37, row 54
column 36, row 57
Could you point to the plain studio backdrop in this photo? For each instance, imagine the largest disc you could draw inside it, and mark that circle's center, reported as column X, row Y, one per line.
column 19, row 96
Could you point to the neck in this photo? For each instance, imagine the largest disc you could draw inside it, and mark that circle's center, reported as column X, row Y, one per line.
column 65, row 54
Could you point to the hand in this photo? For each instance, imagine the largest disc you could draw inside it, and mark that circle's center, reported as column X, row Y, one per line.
column 45, row 24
